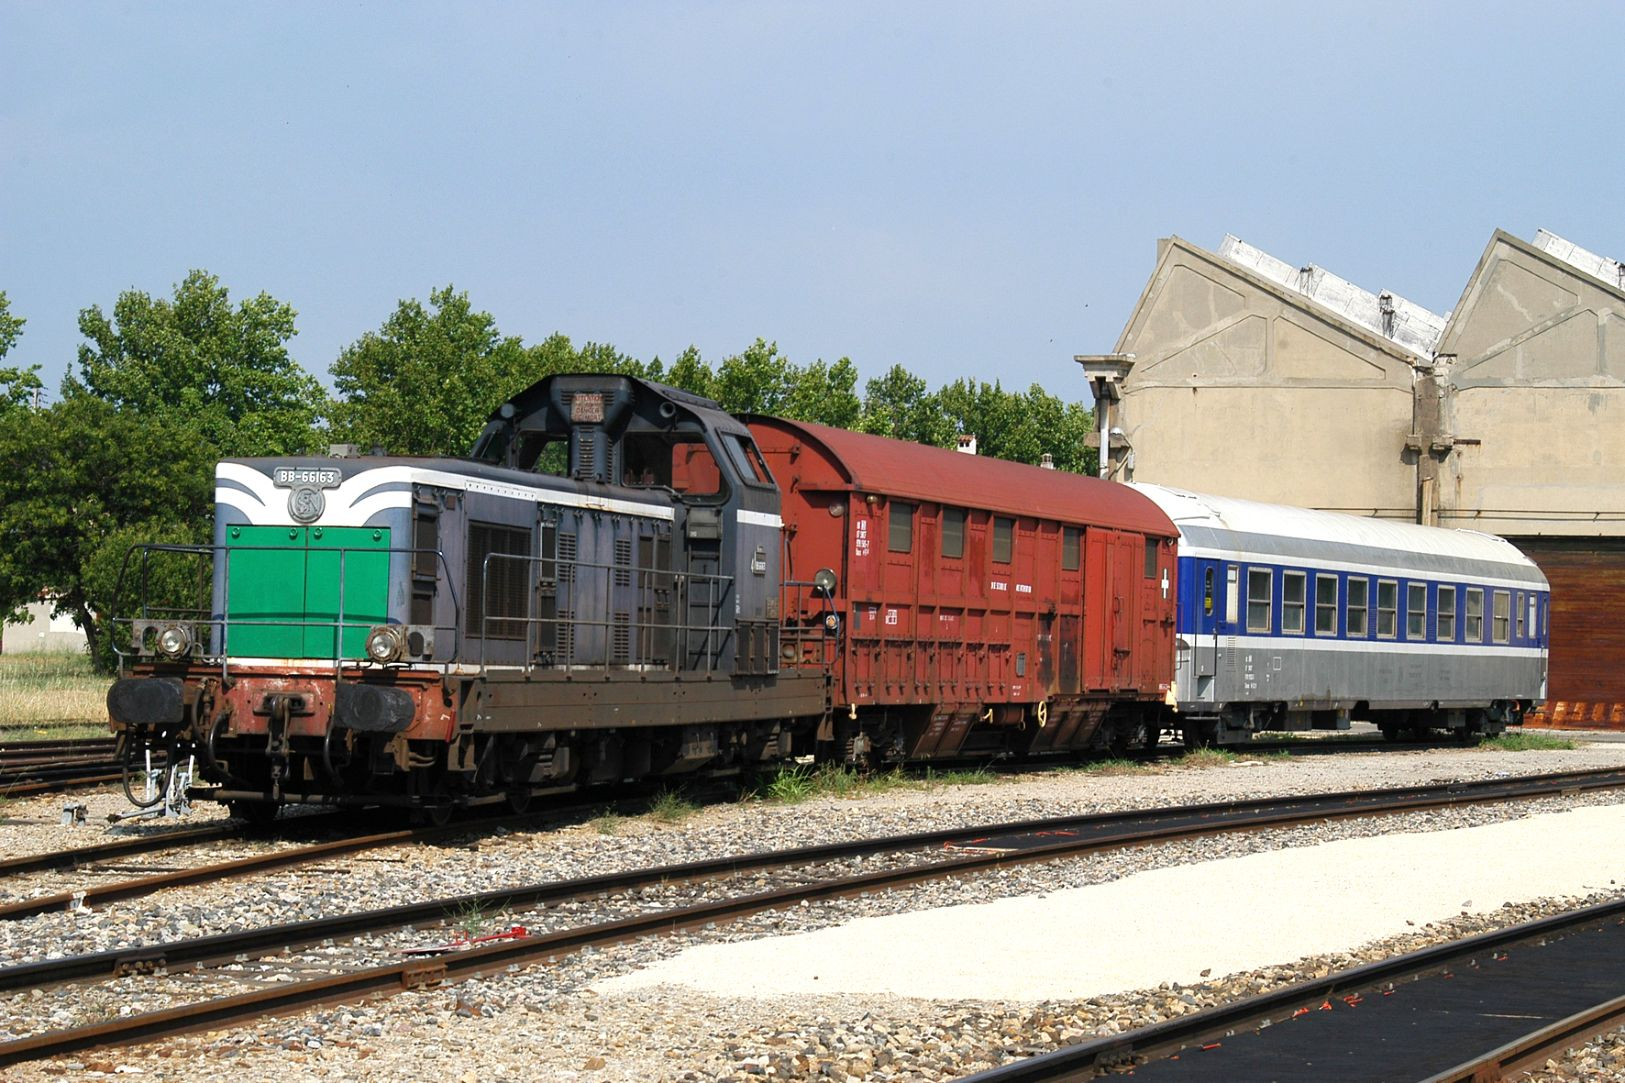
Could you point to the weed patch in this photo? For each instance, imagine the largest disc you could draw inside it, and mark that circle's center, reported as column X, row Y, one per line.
column 1526, row 741
column 671, row 806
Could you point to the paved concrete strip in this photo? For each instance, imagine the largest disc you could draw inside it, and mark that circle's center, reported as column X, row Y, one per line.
column 1170, row 924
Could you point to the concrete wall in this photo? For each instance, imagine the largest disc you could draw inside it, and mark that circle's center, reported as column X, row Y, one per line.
column 1242, row 388
column 1537, row 407
column 41, row 633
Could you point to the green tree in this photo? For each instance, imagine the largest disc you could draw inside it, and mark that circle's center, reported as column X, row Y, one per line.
column 1020, row 426
column 825, row 393
column 79, row 481
column 222, row 372
column 692, row 373
column 424, row 383
column 17, row 386
column 897, row 405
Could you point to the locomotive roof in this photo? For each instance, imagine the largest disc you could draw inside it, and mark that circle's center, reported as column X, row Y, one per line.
column 1240, row 524
column 868, row 462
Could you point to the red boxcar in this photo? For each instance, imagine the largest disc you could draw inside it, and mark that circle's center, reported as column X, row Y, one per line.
column 982, row 605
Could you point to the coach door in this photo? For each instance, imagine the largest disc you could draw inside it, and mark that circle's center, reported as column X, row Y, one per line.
column 1111, row 609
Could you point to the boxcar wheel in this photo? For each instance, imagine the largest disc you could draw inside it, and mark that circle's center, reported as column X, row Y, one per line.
column 256, row 813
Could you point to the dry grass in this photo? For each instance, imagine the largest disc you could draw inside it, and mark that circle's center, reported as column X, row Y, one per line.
column 51, row 695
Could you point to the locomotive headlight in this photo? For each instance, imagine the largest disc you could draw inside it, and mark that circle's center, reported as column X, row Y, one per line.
column 174, row 640
column 385, row 644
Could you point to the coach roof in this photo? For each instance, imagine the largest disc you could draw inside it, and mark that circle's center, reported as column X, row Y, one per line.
column 867, row 462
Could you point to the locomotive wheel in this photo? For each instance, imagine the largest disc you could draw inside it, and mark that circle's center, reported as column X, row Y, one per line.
column 433, row 812
column 518, row 800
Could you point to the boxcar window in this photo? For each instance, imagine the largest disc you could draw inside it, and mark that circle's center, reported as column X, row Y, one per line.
column 953, row 533
column 1292, row 591
column 1259, row 587
column 900, row 521
column 1503, row 616
column 1447, row 613
column 1071, row 548
column 1150, row 557
column 1387, row 609
column 1474, row 628
column 1004, row 531
column 1326, row 604
column 1359, row 603
column 1416, row 612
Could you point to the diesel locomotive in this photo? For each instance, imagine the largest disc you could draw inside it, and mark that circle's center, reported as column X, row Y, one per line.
column 622, row 581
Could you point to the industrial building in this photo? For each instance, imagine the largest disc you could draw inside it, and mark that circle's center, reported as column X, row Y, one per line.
column 1239, row 373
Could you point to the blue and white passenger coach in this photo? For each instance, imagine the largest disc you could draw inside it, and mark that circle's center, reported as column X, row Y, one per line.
column 1292, row 618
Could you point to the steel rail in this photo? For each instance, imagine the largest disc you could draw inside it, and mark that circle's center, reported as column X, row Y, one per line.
column 35, row 788
column 152, row 843
column 477, row 960
column 1534, row 784
column 1081, row 1062
column 1537, row 1046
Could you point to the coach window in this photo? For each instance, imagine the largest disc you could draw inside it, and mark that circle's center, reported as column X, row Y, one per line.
column 1293, row 586
column 1416, row 612
column 900, row 522
column 953, row 533
column 1502, row 629
column 1517, row 619
column 1207, row 592
column 1071, row 548
column 1326, row 604
column 1259, row 585
column 1359, row 604
column 1387, row 609
column 1447, row 613
column 1474, row 627
column 1004, row 531
column 1534, row 631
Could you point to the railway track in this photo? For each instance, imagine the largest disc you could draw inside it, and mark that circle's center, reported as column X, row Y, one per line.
column 32, row 767
column 967, row 851
column 1474, row 1010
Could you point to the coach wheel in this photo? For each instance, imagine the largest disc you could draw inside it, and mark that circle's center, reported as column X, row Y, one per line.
column 518, row 800
column 1390, row 732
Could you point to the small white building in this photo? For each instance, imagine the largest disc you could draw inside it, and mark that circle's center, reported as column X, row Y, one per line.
column 42, row 633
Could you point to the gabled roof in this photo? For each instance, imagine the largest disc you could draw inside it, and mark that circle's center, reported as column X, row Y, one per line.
column 1413, row 330
column 1389, row 315
column 1550, row 249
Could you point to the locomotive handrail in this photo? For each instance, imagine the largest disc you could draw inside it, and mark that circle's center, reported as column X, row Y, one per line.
column 643, row 581
column 215, row 649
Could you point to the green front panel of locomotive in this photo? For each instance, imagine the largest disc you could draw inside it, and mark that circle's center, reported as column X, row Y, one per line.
column 284, row 590
column 359, row 599
column 265, row 591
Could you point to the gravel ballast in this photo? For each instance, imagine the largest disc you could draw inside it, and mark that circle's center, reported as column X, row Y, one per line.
column 572, row 1021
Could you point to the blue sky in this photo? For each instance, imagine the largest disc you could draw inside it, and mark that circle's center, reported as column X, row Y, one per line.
column 969, row 190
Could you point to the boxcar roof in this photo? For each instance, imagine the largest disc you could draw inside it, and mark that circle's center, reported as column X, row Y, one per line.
column 1239, row 524
column 868, row 462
